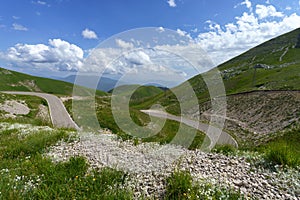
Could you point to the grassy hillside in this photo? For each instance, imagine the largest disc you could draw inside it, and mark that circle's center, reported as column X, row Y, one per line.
column 255, row 117
column 273, row 65
column 15, row 81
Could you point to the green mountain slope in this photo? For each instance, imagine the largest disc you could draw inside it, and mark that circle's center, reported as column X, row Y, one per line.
column 15, row 81
column 141, row 93
column 273, row 65
column 262, row 87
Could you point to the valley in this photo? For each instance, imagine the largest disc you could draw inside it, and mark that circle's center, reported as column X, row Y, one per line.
column 52, row 148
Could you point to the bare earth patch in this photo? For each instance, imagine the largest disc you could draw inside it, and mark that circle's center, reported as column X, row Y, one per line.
column 13, row 108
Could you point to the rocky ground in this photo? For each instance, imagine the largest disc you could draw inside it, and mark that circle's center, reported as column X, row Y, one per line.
column 13, row 108
column 256, row 116
column 148, row 165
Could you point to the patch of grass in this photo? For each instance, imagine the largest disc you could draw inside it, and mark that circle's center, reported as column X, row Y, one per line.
column 180, row 186
column 16, row 146
column 26, row 174
column 281, row 155
column 283, row 150
column 71, row 180
column 225, row 149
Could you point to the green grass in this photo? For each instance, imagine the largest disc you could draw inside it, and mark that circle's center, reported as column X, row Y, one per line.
column 26, row 174
column 181, row 186
column 284, row 150
column 140, row 93
column 225, row 149
column 166, row 135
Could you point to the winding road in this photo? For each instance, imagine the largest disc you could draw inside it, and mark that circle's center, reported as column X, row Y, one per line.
column 216, row 135
column 59, row 116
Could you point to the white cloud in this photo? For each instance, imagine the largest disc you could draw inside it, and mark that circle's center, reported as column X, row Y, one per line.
column 138, row 58
column 267, row 11
column 181, row 32
column 58, row 55
column 19, row 27
column 248, row 4
column 160, row 29
column 288, row 8
column 195, row 30
column 89, row 34
column 41, row 3
column 123, row 44
column 171, row 3
column 249, row 30
column 15, row 17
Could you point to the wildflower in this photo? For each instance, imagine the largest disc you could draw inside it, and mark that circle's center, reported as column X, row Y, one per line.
column 94, row 179
column 76, row 177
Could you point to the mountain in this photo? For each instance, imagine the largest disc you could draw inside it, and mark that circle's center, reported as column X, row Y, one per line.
column 104, row 84
column 15, row 81
column 262, row 87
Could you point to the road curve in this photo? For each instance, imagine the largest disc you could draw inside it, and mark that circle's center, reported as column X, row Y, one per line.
column 59, row 116
column 216, row 135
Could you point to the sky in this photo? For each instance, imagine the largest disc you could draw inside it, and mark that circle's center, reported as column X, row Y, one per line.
column 54, row 38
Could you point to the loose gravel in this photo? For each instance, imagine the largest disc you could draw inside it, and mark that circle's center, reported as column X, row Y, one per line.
column 148, row 165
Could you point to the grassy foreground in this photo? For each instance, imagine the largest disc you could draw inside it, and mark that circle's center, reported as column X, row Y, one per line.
column 27, row 174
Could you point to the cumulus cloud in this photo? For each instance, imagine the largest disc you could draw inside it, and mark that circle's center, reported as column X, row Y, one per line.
column 57, row 55
column 138, row 58
column 19, row 27
column 160, row 29
column 89, row 34
column 171, row 3
column 181, row 32
column 267, row 11
column 249, row 30
column 123, row 44
column 247, row 3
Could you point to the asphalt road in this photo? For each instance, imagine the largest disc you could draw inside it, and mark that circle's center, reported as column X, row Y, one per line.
column 216, row 135
column 59, row 116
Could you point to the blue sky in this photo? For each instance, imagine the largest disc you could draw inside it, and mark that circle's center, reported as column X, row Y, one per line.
column 39, row 35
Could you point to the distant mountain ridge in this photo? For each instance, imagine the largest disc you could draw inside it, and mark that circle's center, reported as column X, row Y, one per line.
column 16, row 81
column 103, row 84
